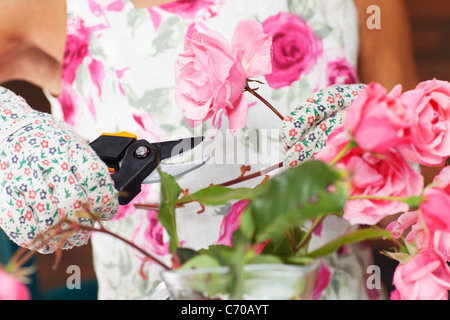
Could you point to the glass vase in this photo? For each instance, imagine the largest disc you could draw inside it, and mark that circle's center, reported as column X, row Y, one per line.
column 256, row 282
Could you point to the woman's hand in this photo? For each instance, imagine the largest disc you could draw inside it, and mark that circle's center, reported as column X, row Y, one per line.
column 47, row 172
column 307, row 128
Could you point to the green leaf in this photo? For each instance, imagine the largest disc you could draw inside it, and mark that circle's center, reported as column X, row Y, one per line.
column 302, row 8
column 201, row 261
column 170, row 191
column 218, row 195
column 233, row 257
column 210, row 281
column 299, row 260
column 287, row 245
column 349, row 238
column 295, row 196
column 265, row 259
column 184, row 254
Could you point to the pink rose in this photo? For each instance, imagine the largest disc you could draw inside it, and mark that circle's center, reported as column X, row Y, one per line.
column 340, row 72
column 403, row 223
column 378, row 121
column 434, row 211
column 211, row 74
column 231, row 222
column 436, row 208
column 425, row 277
column 11, row 288
column 388, row 175
column 430, row 131
column 436, row 240
column 442, row 179
column 295, row 48
column 257, row 45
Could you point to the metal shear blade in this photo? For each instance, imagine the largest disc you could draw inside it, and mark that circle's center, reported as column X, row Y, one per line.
column 174, row 148
column 176, row 170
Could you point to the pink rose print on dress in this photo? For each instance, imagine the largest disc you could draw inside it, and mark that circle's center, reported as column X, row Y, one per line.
column 340, row 72
column 189, row 9
column 295, row 49
column 150, row 235
column 323, row 280
column 68, row 99
column 117, row 5
column 231, row 222
column 77, row 44
column 97, row 74
column 76, row 50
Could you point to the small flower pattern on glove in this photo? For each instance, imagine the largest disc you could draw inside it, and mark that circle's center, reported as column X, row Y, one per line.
column 306, row 129
column 47, row 172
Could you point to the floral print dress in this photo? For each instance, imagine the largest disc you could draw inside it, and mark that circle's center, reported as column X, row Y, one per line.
column 118, row 75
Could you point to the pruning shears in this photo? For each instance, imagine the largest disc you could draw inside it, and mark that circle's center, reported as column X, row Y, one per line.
column 133, row 162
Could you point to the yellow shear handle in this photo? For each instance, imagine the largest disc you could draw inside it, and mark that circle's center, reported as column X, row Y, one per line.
column 121, row 134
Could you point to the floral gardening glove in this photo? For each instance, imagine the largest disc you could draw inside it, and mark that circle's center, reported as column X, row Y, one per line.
column 47, row 171
column 307, row 128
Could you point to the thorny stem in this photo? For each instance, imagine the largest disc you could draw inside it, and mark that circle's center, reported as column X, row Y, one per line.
column 308, row 235
column 251, row 176
column 240, row 179
column 24, row 258
column 22, row 255
column 75, row 226
column 253, row 92
column 131, row 244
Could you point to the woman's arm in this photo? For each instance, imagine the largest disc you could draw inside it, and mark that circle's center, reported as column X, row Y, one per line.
column 387, row 54
column 32, row 40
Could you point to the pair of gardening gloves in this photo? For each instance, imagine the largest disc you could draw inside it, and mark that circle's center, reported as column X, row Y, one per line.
column 48, row 173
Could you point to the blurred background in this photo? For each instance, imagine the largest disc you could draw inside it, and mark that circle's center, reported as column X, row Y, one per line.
column 430, row 22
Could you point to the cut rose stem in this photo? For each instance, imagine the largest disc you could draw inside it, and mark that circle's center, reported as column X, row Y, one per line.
column 267, row 103
column 225, row 184
column 252, row 176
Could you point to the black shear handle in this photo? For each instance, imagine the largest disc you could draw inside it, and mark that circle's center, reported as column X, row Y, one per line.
column 131, row 161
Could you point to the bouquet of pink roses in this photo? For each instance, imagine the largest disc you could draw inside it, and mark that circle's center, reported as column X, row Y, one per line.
column 365, row 172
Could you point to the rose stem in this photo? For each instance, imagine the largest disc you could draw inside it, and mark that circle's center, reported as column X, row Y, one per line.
column 253, row 92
